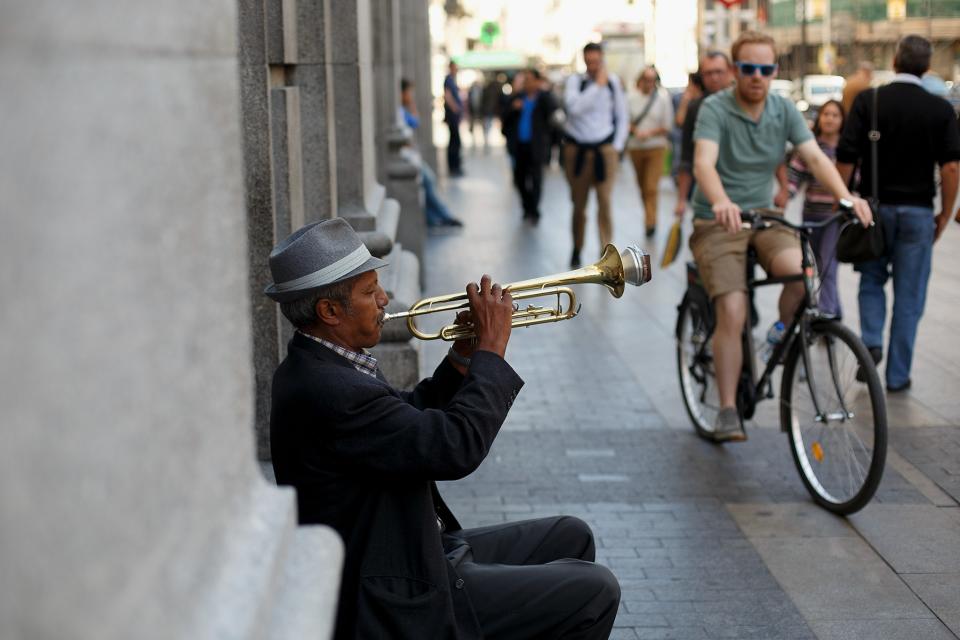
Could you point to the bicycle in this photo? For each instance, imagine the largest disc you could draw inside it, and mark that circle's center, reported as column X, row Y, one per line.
column 837, row 434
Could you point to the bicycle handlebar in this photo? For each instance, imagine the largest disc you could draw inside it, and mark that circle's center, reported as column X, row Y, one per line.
column 758, row 218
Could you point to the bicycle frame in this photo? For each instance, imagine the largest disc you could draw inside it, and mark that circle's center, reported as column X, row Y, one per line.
column 806, row 313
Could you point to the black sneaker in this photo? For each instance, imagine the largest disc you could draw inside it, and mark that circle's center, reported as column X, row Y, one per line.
column 575, row 259
column 651, row 231
column 877, row 354
column 903, row 387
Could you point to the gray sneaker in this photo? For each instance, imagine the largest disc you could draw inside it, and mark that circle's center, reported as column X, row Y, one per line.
column 727, row 428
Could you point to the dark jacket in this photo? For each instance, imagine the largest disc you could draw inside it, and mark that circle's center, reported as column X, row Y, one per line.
column 917, row 131
column 541, row 132
column 363, row 458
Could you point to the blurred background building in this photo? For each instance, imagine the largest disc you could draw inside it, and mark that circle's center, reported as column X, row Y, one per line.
column 833, row 36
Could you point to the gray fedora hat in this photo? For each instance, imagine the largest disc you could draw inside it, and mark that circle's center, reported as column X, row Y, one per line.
column 316, row 255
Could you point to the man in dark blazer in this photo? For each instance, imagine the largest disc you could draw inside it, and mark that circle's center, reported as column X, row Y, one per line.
column 364, row 458
column 526, row 123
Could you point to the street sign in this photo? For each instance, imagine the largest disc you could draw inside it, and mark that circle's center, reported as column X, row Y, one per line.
column 489, row 32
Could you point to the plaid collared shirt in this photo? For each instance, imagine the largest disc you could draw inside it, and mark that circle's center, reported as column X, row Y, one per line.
column 362, row 362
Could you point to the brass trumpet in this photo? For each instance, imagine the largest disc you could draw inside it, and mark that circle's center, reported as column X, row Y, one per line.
column 614, row 270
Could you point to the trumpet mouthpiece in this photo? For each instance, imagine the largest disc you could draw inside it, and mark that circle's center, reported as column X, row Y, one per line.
column 636, row 266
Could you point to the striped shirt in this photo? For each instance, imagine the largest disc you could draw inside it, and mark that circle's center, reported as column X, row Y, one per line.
column 362, row 362
column 819, row 200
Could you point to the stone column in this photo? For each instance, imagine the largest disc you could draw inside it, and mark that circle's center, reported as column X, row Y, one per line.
column 385, row 30
column 359, row 195
column 360, row 198
column 132, row 506
column 400, row 176
column 415, row 62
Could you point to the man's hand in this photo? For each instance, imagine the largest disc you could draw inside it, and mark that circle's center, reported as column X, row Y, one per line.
column 782, row 198
column 602, row 77
column 862, row 210
column 941, row 221
column 491, row 309
column 680, row 208
column 727, row 215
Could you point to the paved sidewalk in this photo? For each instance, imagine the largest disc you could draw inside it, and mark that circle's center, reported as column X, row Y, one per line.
column 707, row 541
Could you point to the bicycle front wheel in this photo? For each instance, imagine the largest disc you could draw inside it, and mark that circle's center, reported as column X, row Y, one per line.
column 698, row 384
column 836, row 425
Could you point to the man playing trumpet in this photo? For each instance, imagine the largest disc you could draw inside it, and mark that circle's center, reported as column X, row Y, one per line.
column 364, row 459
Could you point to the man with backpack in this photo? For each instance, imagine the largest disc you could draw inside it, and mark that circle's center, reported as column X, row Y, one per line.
column 596, row 131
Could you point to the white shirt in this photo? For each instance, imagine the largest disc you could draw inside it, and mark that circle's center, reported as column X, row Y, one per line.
column 660, row 116
column 909, row 78
column 590, row 114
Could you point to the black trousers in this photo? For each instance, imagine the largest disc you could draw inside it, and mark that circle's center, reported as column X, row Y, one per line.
column 537, row 579
column 528, row 178
column 454, row 163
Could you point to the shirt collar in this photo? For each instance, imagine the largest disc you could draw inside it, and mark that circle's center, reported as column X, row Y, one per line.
column 362, row 362
column 909, row 78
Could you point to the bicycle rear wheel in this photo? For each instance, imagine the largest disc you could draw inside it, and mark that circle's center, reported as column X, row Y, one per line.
column 836, row 425
column 698, row 384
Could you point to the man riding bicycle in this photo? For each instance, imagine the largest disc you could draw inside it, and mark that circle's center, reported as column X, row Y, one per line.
column 740, row 137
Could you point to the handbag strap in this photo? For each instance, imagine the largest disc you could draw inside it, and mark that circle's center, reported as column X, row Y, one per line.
column 874, row 136
column 646, row 109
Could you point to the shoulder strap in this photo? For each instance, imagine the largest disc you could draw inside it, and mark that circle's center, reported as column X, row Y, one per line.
column 584, row 81
column 646, row 109
column 874, row 136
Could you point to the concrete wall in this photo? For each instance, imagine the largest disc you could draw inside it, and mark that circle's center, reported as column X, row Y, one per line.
column 131, row 503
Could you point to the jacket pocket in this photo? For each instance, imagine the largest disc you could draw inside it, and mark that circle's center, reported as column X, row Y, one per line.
column 398, row 607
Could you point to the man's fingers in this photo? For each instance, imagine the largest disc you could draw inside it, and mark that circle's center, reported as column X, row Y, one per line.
column 485, row 285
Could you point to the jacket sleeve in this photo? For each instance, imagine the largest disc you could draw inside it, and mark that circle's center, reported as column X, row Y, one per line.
column 849, row 149
column 434, row 392
column 375, row 431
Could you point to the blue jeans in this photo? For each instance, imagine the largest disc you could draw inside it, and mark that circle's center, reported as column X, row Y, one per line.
column 908, row 231
column 437, row 212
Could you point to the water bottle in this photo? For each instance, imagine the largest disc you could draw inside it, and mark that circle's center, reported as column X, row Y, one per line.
column 774, row 336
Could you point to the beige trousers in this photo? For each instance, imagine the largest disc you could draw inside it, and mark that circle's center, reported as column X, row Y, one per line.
column 580, row 189
column 648, row 164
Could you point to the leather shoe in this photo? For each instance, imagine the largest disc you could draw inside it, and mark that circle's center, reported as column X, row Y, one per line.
column 899, row 388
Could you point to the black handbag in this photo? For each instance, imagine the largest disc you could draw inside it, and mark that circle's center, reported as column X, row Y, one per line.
column 856, row 242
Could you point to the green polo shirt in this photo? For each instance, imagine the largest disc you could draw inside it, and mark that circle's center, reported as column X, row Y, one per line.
column 749, row 151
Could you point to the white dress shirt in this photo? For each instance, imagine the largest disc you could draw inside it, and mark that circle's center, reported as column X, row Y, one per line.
column 590, row 113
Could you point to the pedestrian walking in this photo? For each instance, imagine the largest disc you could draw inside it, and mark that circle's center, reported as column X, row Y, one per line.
column 529, row 126
column 681, row 101
column 917, row 131
column 596, row 131
column 716, row 73
column 452, row 116
column 819, row 202
column 651, row 119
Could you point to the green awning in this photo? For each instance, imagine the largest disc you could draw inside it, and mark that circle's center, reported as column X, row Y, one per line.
column 491, row 60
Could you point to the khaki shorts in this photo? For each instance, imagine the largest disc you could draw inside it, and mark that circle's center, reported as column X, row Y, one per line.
column 722, row 256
